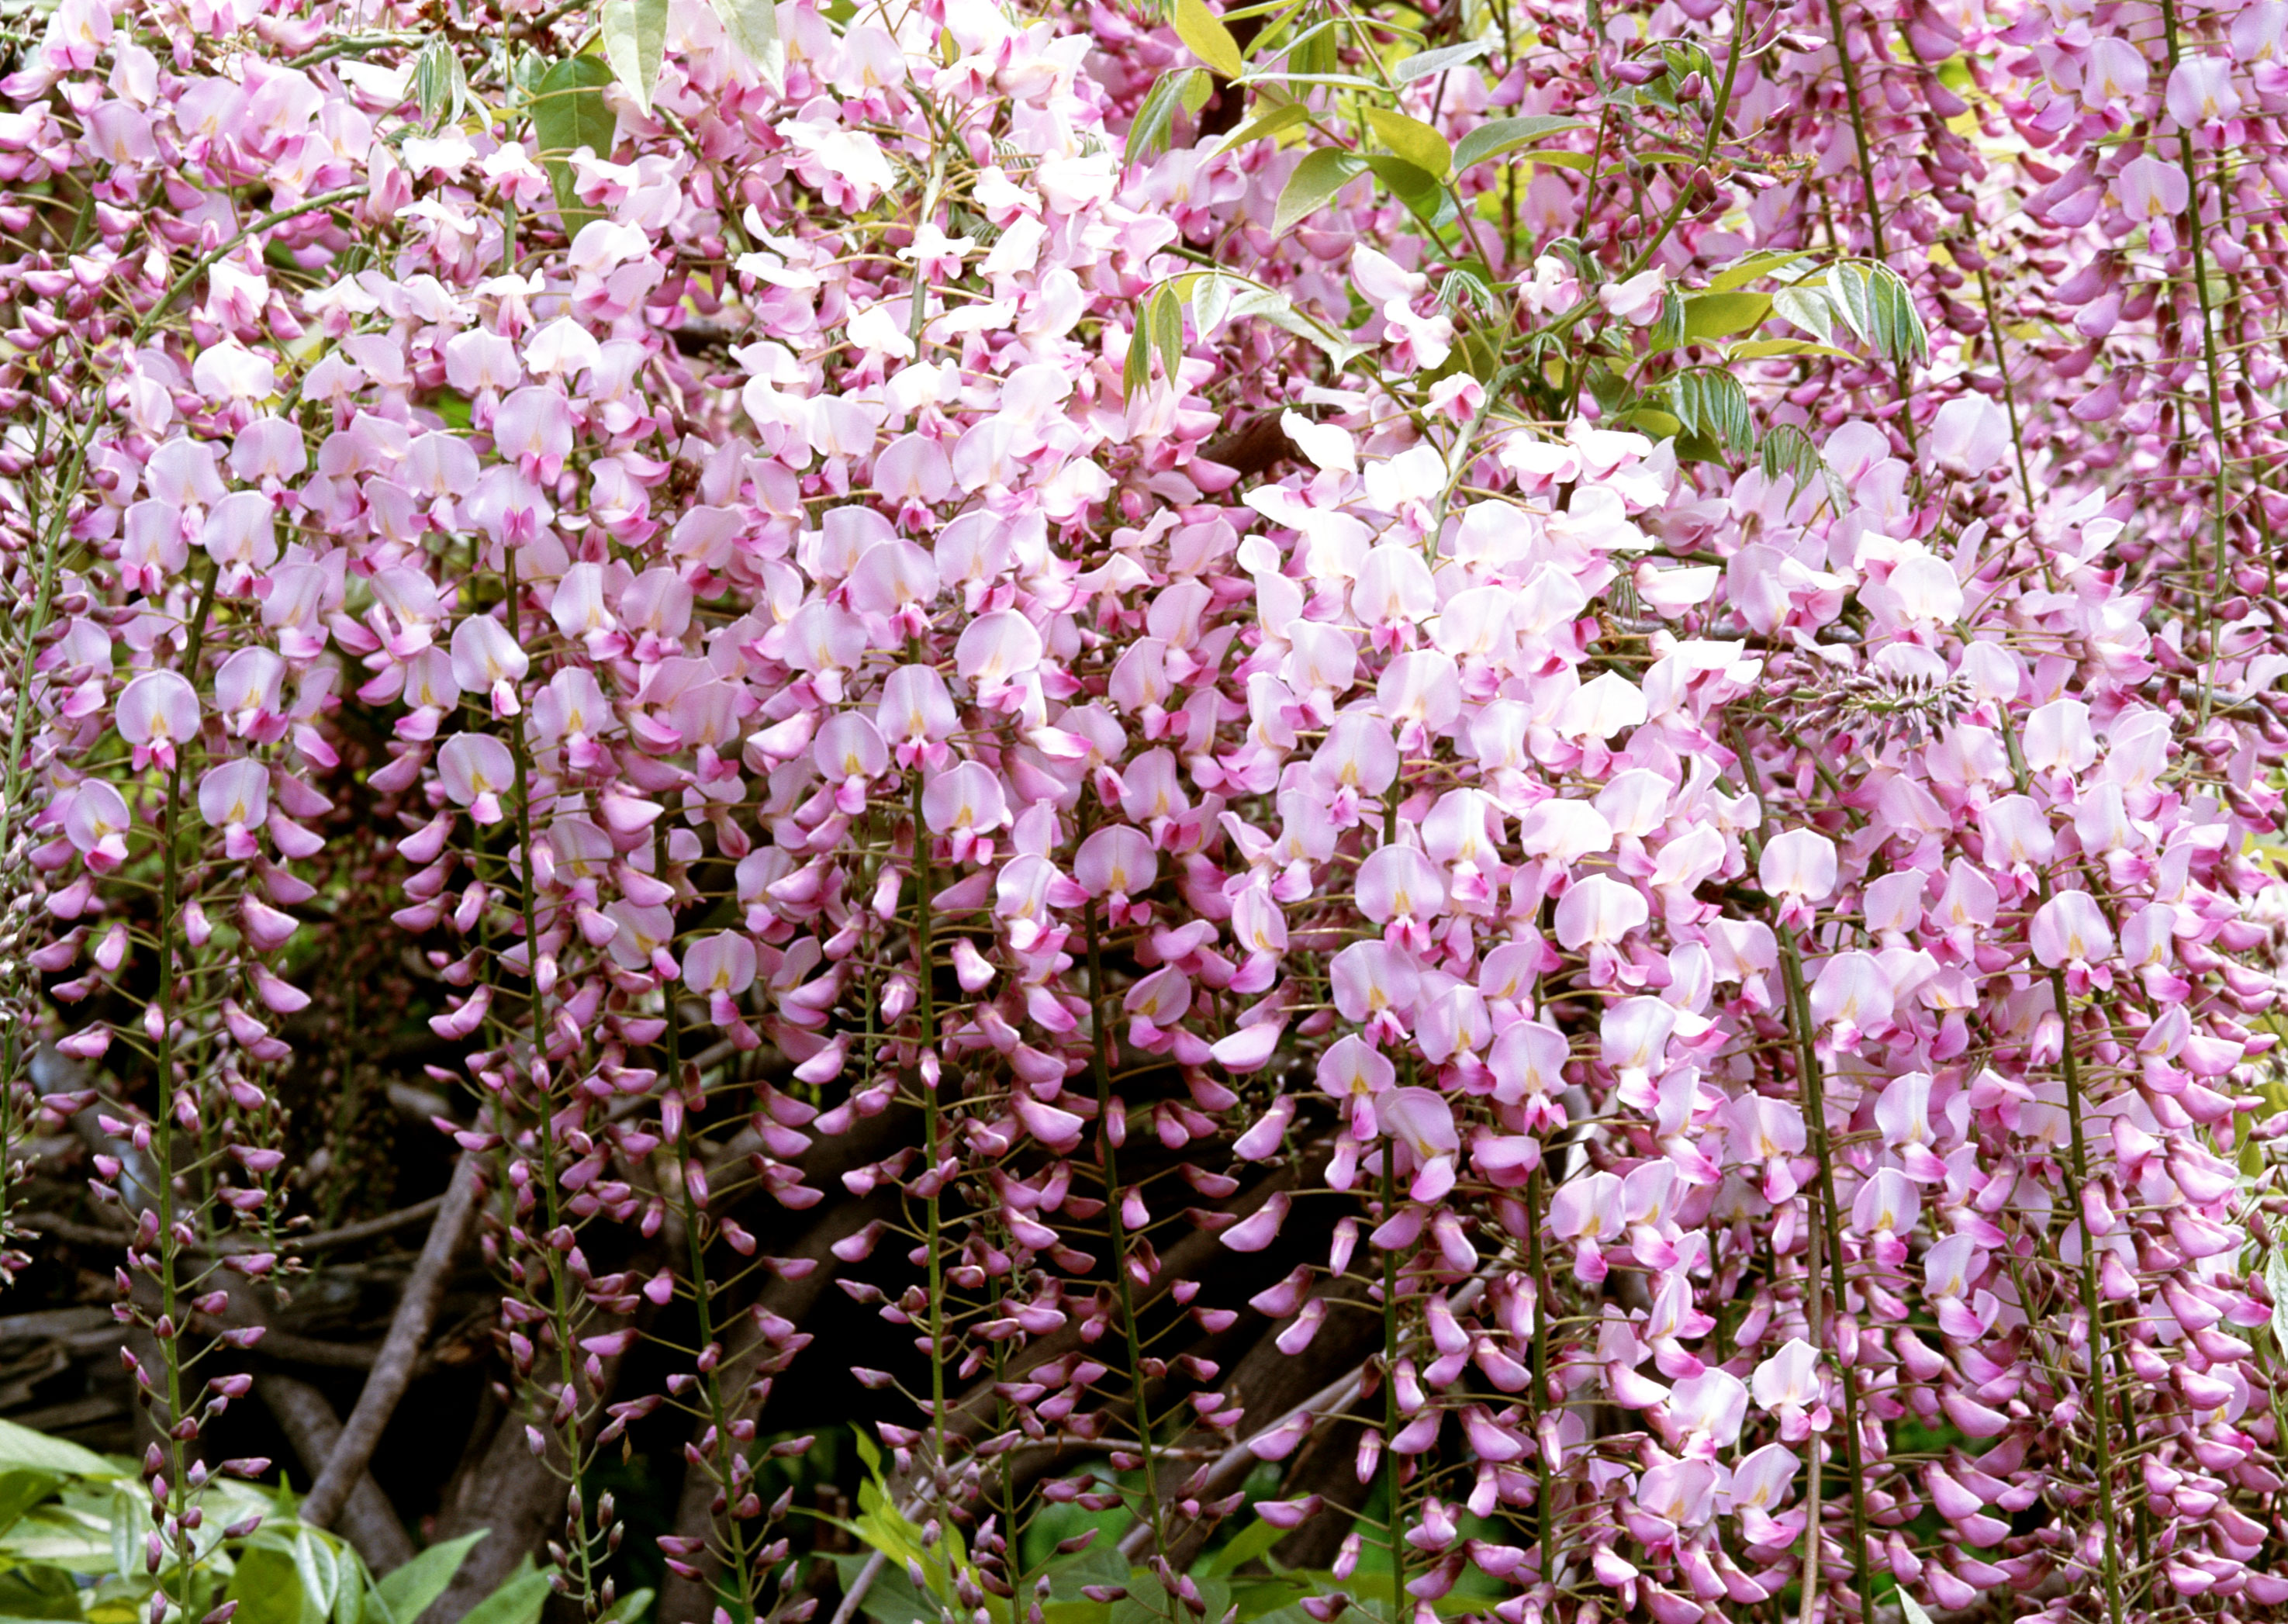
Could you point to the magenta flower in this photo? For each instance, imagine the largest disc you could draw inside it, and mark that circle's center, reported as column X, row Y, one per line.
column 157, row 711
column 477, row 770
column 1421, row 1129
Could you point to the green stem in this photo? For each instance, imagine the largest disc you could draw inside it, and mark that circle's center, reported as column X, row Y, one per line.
column 1391, row 1424
column 163, row 1129
column 2092, row 1299
column 1101, row 1036
column 1813, row 1084
column 2009, row 398
column 1814, row 1112
column 2101, row 1405
column 561, row 1303
column 1545, row 1513
column 924, row 975
column 1390, row 1342
column 2214, row 378
column 703, row 1292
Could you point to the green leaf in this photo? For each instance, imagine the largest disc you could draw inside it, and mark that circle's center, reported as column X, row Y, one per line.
column 1580, row 161
column 21, row 1490
column 1411, row 185
column 2276, row 1279
column 1136, row 368
column 1148, row 1604
column 1413, row 140
column 1149, row 131
column 126, row 1558
column 753, row 26
column 1422, row 64
column 1286, row 116
column 350, row 1592
column 1711, row 402
column 1466, row 285
column 635, row 35
column 568, row 112
column 22, row 1448
column 1498, row 136
column 1211, row 298
column 869, row 1451
column 1316, row 51
column 1720, row 315
column 1787, row 450
column 1653, row 93
column 1254, row 1540
column 1667, row 332
column 1280, row 311
column 439, row 88
column 407, row 1591
column 1751, row 268
column 1319, row 177
column 1166, row 315
column 519, row 1600
column 892, row 1599
column 1806, row 308
column 1273, row 1599
column 39, row 1592
column 1210, row 41
column 1764, row 349
column 267, row 1588
column 527, row 69
column 319, row 1570
column 629, row 1608
column 1875, row 303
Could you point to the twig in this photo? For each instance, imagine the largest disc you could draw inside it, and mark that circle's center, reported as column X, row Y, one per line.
column 349, row 1234
column 393, row 1369
column 369, row 1229
column 288, row 1349
column 856, row 1593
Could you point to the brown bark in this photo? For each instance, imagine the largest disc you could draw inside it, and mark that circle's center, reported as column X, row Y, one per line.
column 392, row 1369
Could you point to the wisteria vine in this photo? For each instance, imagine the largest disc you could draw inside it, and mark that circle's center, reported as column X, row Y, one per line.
column 1594, row 687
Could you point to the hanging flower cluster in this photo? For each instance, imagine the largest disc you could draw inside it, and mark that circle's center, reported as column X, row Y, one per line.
column 1607, row 691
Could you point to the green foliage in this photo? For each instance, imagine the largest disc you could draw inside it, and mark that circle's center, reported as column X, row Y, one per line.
column 635, row 38
column 1268, row 1595
column 568, row 112
column 1203, row 31
column 1720, row 315
column 1873, row 299
column 1712, row 405
column 1151, row 130
column 753, row 26
column 1498, row 136
column 440, row 88
column 1280, row 116
column 1786, row 451
column 519, row 1600
column 1159, row 331
column 1321, row 173
column 72, row 1526
column 408, row 1592
column 1413, row 140
column 1422, row 64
